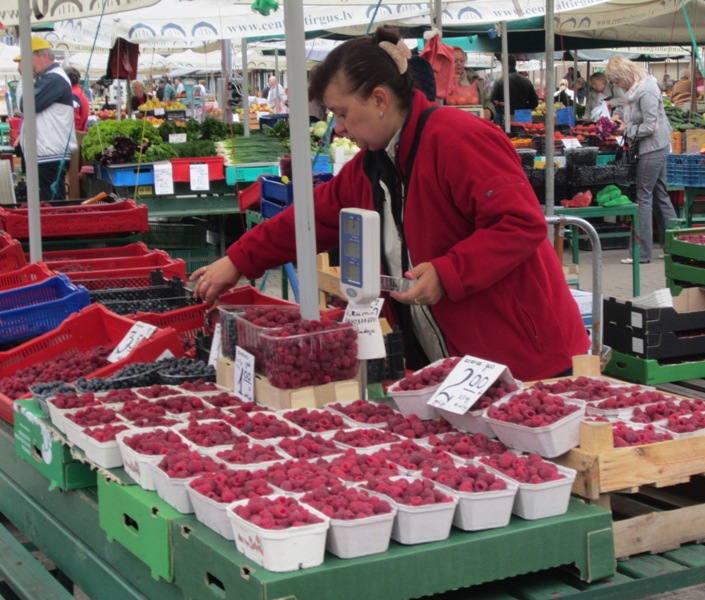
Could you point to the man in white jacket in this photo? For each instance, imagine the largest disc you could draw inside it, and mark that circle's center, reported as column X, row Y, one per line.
column 56, row 132
column 276, row 97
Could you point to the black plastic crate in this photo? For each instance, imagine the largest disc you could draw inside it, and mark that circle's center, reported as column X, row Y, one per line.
column 391, row 367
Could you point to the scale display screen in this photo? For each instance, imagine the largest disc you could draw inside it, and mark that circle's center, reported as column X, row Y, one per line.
column 359, row 255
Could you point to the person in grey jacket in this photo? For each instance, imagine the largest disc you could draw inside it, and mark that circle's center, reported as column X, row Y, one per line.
column 603, row 98
column 645, row 125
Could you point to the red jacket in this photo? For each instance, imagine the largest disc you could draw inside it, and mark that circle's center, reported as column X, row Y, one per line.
column 471, row 212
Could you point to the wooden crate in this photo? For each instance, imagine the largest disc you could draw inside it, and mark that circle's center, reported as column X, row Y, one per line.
column 312, row 396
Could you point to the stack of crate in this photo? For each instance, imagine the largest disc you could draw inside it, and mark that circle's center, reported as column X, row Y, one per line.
column 685, row 259
column 658, row 344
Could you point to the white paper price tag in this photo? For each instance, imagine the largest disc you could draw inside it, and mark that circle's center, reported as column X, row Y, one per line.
column 138, row 332
column 365, row 319
column 216, row 346
column 571, row 143
column 244, row 374
column 163, row 178
column 177, row 138
column 158, row 112
column 198, row 175
column 465, row 384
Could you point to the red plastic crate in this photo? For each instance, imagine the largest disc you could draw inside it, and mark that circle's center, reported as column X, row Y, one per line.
column 93, row 326
column 125, row 267
column 135, row 249
column 11, row 255
column 80, row 220
column 182, row 173
column 27, row 275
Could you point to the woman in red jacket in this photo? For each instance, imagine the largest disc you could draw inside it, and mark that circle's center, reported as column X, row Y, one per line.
column 461, row 219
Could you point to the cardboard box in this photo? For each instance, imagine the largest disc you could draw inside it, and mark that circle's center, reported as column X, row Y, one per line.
column 39, row 444
column 694, row 140
column 306, row 397
column 140, row 521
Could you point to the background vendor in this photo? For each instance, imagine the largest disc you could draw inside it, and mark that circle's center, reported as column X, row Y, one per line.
column 469, row 90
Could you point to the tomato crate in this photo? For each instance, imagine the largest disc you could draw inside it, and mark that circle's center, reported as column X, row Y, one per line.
column 11, row 255
column 28, row 275
column 120, row 267
column 182, row 172
column 135, row 249
column 73, row 221
column 34, row 309
column 93, row 326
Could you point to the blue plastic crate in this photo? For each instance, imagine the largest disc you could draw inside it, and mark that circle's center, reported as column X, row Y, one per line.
column 686, row 169
column 565, row 116
column 32, row 310
column 272, row 188
column 321, row 163
column 269, row 208
column 523, row 116
column 131, row 174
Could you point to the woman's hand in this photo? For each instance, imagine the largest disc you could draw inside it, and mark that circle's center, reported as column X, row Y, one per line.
column 214, row 279
column 428, row 288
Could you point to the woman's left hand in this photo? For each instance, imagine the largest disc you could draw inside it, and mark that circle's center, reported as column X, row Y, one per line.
column 428, row 288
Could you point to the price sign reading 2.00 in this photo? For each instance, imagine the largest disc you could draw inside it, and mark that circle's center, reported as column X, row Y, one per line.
column 467, row 382
column 138, row 332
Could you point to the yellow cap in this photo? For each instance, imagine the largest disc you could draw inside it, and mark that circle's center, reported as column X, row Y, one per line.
column 37, row 44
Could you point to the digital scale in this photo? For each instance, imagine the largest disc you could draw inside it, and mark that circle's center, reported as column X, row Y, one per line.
column 359, row 255
column 360, row 281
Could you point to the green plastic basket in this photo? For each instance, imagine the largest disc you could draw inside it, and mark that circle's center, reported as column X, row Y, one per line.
column 175, row 235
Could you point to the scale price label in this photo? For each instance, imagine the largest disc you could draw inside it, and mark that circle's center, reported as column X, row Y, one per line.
column 138, row 332
column 365, row 319
column 465, row 384
column 244, row 379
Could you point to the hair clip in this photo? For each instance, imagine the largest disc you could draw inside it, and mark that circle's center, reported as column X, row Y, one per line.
column 399, row 52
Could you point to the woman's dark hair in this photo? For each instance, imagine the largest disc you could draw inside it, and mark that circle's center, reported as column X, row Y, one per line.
column 73, row 74
column 362, row 66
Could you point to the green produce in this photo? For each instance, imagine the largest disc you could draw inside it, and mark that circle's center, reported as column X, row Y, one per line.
column 193, row 149
column 215, row 130
column 159, row 152
column 102, row 135
column 256, row 148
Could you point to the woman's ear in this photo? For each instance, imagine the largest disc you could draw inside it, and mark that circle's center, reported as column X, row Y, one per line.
column 380, row 97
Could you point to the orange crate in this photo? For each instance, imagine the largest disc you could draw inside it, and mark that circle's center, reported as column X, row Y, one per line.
column 75, row 221
column 27, row 275
column 11, row 255
column 93, row 326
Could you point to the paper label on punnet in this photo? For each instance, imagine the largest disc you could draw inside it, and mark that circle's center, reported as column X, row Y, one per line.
column 365, row 320
column 466, row 384
column 138, row 332
column 244, row 380
column 216, row 346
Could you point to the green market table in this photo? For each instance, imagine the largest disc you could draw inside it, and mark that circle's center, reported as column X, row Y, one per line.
column 68, row 527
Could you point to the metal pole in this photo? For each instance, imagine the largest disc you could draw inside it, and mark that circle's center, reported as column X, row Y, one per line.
column 505, row 77
column 550, row 112
column 438, row 16
column 301, row 159
column 596, row 275
column 245, row 90
column 226, row 55
column 29, row 127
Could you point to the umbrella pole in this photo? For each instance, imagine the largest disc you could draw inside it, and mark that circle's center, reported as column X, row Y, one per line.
column 29, row 127
column 550, row 112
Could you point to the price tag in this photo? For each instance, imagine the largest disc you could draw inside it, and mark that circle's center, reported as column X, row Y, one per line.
column 138, row 332
column 465, row 384
column 163, row 178
column 158, row 112
column 365, row 319
column 216, row 346
column 177, row 138
column 571, row 143
column 244, row 374
column 198, row 175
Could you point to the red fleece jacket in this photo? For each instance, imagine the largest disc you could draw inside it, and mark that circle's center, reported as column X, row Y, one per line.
column 471, row 212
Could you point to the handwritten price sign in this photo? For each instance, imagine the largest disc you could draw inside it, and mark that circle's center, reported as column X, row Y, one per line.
column 467, row 382
column 244, row 374
column 138, row 332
